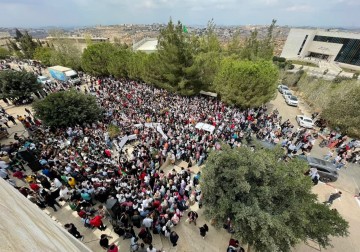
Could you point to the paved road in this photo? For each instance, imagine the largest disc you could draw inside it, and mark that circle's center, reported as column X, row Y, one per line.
column 348, row 183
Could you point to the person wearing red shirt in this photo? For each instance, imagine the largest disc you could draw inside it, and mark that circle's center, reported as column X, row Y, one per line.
column 113, row 248
column 97, row 222
column 35, row 187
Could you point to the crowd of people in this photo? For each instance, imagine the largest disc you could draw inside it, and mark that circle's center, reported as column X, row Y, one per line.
column 84, row 166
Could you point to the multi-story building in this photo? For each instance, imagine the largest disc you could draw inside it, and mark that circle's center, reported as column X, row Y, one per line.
column 341, row 48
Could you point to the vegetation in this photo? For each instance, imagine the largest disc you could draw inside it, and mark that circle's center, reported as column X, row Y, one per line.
column 246, row 83
column 304, row 63
column 269, row 202
column 113, row 131
column 18, row 84
column 67, row 108
column 335, row 100
column 44, row 55
column 343, row 110
column 187, row 64
column 4, row 53
column 96, row 55
column 175, row 61
column 24, row 46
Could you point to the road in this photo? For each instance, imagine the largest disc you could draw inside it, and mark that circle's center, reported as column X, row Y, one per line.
column 348, row 183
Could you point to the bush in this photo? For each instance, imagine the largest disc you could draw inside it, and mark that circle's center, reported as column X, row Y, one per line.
column 67, row 108
column 15, row 84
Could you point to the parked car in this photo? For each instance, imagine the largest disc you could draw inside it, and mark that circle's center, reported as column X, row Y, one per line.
column 286, row 93
column 326, row 169
column 43, row 80
column 304, row 121
column 281, row 88
column 291, row 100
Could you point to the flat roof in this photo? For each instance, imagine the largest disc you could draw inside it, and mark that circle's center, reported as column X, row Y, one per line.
column 149, row 45
column 60, row 68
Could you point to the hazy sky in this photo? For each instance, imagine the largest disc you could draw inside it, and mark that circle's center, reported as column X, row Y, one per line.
column 35, row 13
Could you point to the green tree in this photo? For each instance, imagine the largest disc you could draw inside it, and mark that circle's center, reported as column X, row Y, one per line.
column 16, row 84
column 44, row 55
column 24, row 45
column 209, row 57
column 67, row 52
column 4, row 53
column 246, row 83
column 118, row 62
column 175, row 60
column 343, row 108
column 96, row 58
column 253, row 48
column 136, row 65
column 269, row 201
column 67, row 108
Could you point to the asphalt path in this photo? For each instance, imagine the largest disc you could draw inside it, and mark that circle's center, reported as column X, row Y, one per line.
column 349, row 179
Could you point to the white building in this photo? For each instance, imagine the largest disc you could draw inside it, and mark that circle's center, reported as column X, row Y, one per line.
column 341, row 48
column 147, row 45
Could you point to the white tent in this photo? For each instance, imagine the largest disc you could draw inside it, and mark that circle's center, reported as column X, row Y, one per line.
column 208, row 93
column 206, row 127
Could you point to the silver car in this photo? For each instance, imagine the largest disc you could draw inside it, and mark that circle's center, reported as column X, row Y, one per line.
column 281, row 88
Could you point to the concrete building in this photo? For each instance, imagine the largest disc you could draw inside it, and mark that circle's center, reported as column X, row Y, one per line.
column 4, row 37
column 25, row 227
column 80, row 42
column 147, row 45
column 340, row 48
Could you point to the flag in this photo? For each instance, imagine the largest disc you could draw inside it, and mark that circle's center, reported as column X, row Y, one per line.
column 185, row 29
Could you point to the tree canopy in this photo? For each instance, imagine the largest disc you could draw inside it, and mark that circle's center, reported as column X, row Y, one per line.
column 342, row 111
column 15, row 84
column 175, row 66
column 96, row 58
column 246, row 83
column 44, row 55
column 24, row 45
column 67, row 108
column 269, row 201
column 4, row 53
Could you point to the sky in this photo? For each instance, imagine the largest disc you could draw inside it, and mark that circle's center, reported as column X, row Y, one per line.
column 316, row 13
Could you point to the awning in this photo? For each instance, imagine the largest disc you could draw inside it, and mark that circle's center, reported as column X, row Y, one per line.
column 208, row 93
column 205, row 126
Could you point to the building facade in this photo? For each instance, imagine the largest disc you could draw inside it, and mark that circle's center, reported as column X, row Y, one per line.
column 341, row 48
column 146, row 45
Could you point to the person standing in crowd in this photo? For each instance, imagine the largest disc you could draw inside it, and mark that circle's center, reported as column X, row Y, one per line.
column 12, row 119
column 104, row 241
column 203, row 230
column 151, row 248
column 174, row 237
column 192, row 215
column 97, row 222
column 50, row 201
column 73, row 230
column 28, row 111
column 113, row 248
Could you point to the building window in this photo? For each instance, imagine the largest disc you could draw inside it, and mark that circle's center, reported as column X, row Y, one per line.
column 349, row 52
column 302, row 45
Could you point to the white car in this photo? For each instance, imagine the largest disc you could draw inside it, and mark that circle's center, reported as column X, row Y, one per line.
column 305, row 121
column 286, row 93
column 281, row 88
column 43, row 80
column 292, row 100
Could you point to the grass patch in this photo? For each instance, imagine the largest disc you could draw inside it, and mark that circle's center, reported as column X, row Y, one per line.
column 304, row 63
